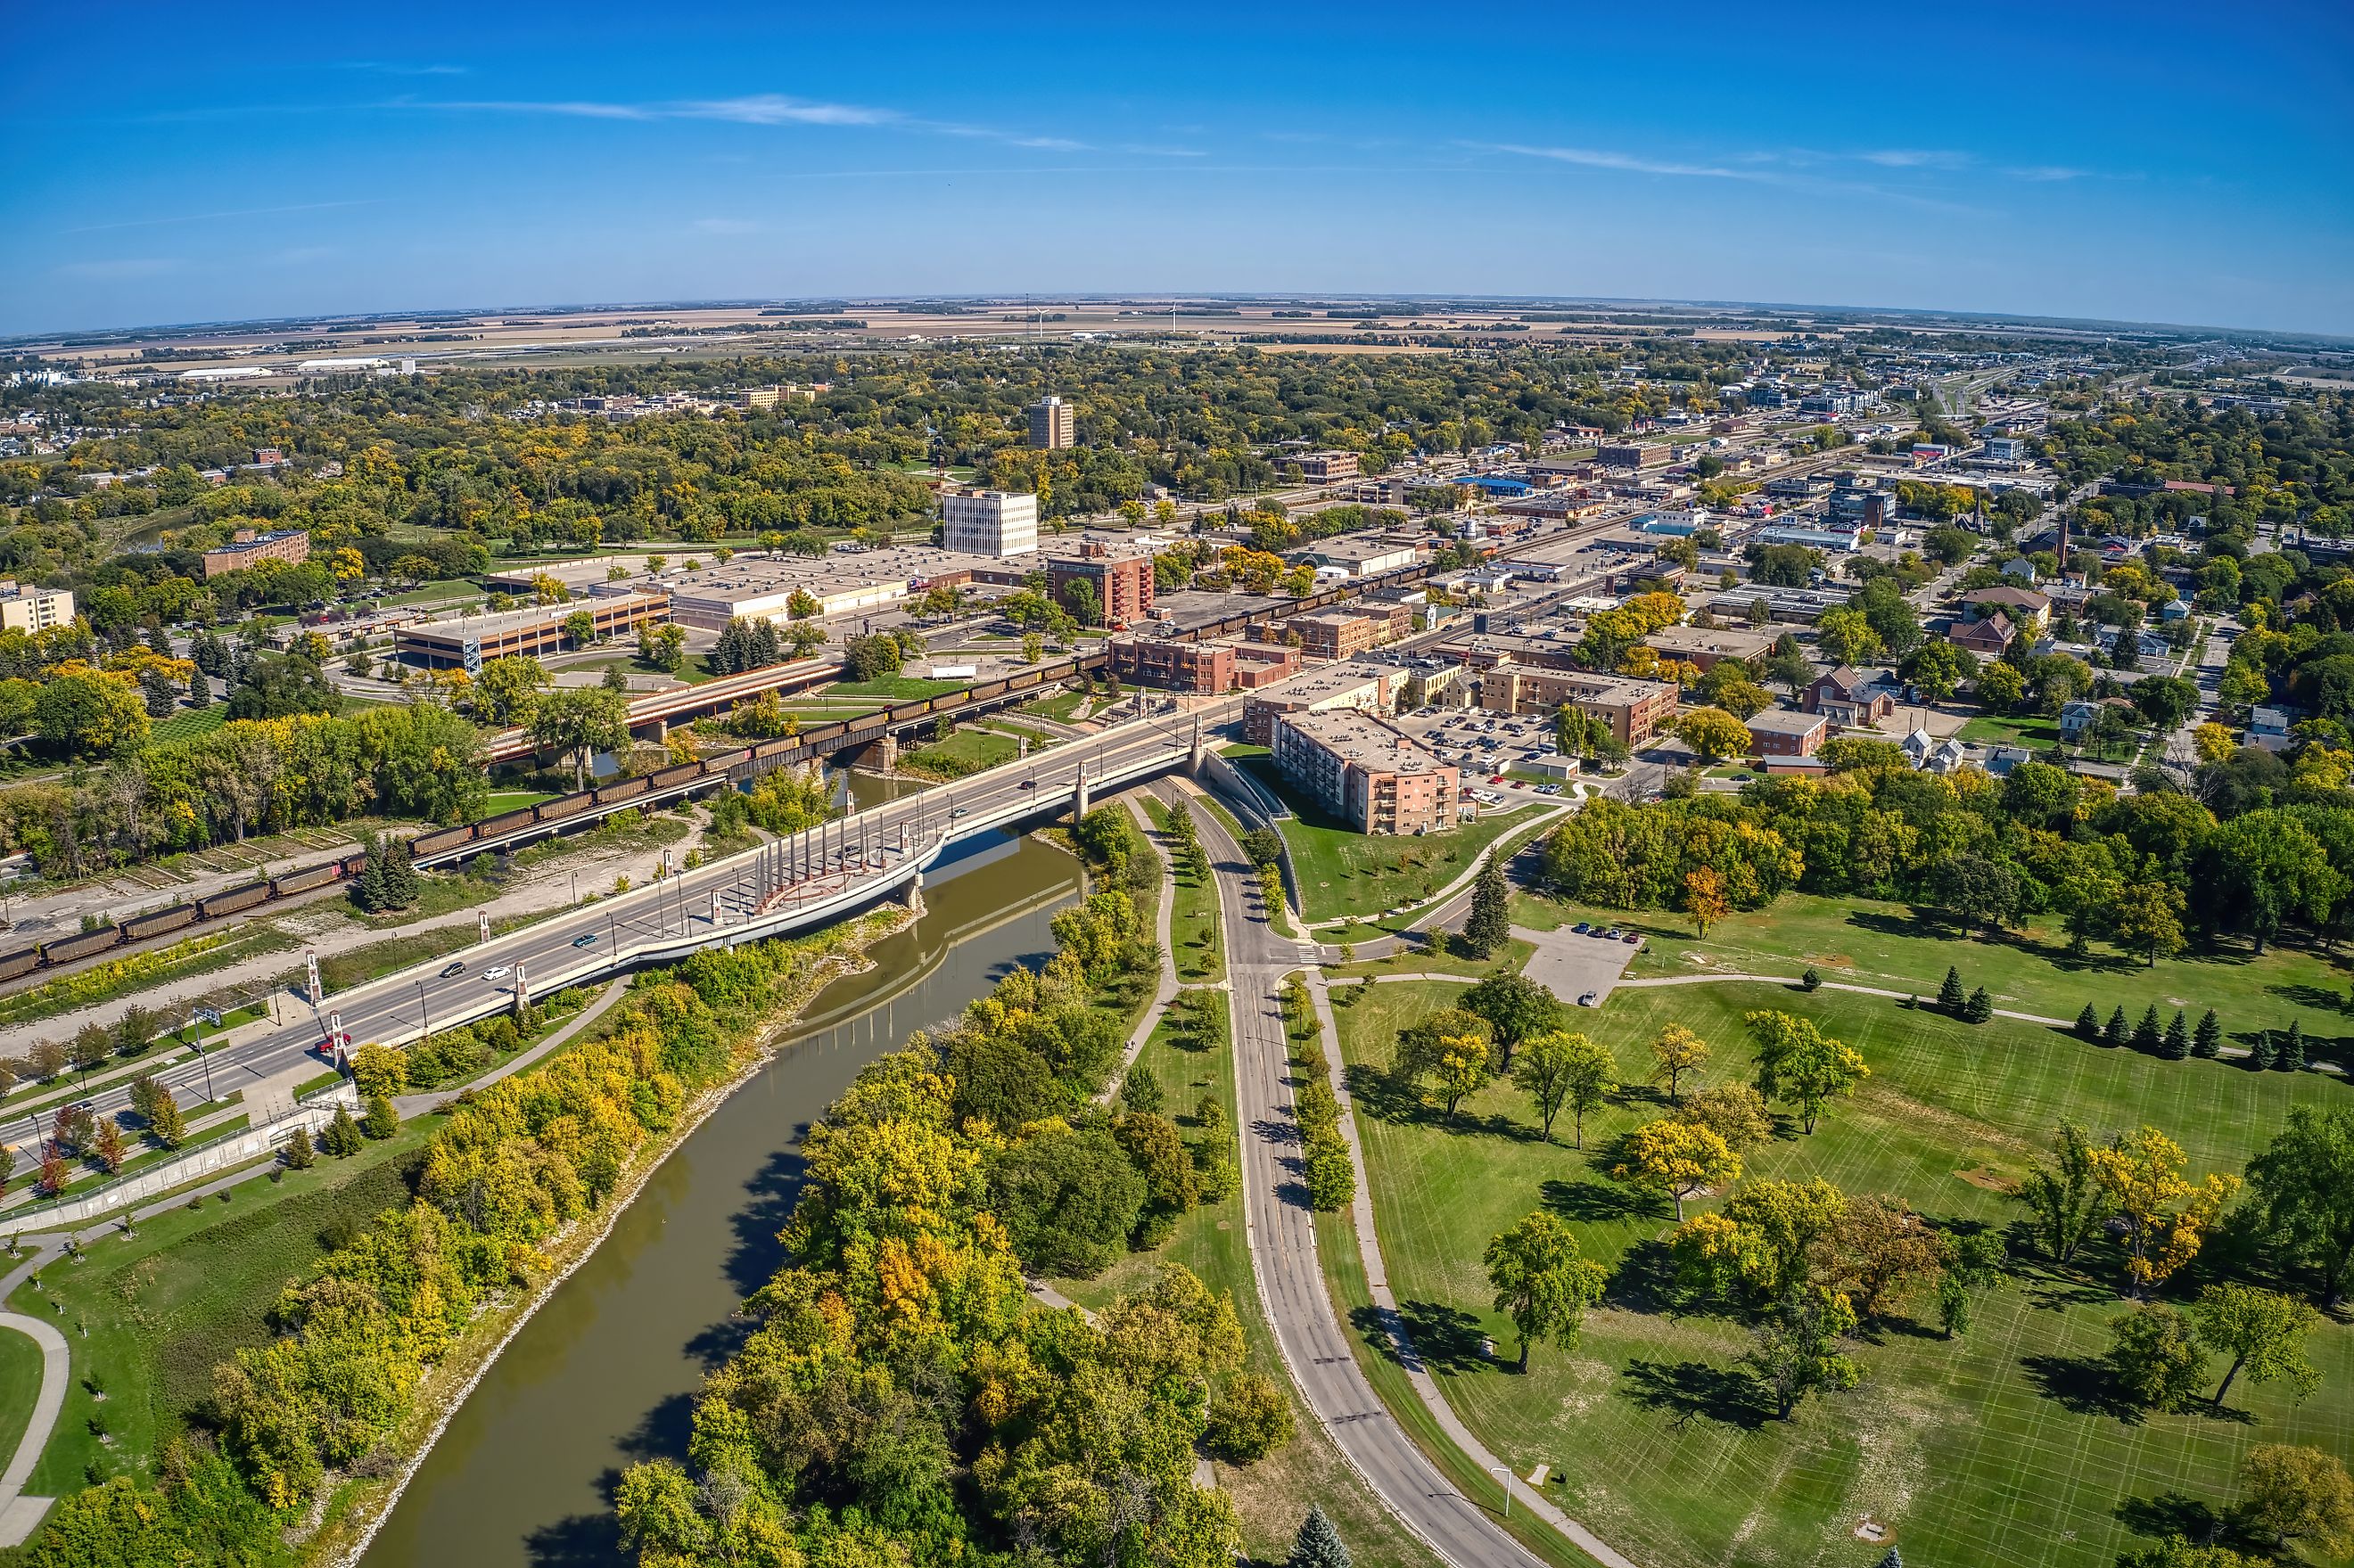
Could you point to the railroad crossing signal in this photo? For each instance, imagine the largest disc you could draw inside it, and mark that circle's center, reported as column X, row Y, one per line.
column 311, row 972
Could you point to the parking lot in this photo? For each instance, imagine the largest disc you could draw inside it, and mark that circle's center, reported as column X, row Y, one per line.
column 1483, row 745
column 1575, row 965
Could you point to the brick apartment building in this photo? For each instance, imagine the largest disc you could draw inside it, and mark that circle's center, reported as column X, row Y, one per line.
column 1206, row 668
column 1784, row 732
column 1120, row 577
column 1635, row 710
column 247, row 548
column 1339, row 633
column 1364, row 772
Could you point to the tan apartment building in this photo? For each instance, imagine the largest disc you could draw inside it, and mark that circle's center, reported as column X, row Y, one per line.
column 1339, row 633
column 1635, row 710
column 1366, row 773
column 1369, row 688
column 247, row 548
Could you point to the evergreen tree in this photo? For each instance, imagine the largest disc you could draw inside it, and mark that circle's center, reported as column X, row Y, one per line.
column 1894, row 1559
column 1949, row 995
column 400, row 875
column 1141, row 1092
column 2209, row 1040
column 343, row 1135
column 2260, row 1050
column 2088, row 1024
column 200, row 691
column 1980, row 1008
column 1491, row 925
column 2290, row 1058
column 1317, row 1544
column 2177, row 1045
column 2147, row 1036
column 298, row 1151
column 380, row 1121
column 2117, row 1032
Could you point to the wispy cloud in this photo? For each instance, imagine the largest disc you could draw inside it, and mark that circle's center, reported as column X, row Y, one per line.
column 1917, row 158
column 1752, row 169
column 210, row 216
column 116, row 268
column 779, row 109
column 1630, row 162
column 2046, row 173
column 398, row 67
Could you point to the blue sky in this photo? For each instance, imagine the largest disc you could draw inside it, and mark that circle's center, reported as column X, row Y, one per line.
column 194, row 163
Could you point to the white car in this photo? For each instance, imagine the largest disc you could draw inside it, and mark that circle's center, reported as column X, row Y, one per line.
column 498, row 971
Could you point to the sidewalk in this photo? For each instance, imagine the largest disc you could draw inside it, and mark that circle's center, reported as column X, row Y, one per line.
column 1166, row 991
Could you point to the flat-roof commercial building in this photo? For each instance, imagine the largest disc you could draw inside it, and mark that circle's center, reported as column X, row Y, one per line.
column 992, row 523
column 467, row 641
column 1703, row 647
column 1633, row 455
column 1635, row 710
column 1052, row 425
column 1326, row 467
column 1784, row 732
column 1362, row 557
column 33, row 609
column 1120, row 577
column 1371, row 688
column 1369, row 776
column 247, row 548
column 1206, row 668
column 1258, row 664
column 1339, row 633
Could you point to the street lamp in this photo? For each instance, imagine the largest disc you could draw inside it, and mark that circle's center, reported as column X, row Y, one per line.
column 206, row 1062
column 1504, row 1475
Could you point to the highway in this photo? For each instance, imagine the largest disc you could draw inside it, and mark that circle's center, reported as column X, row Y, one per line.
column 800, row 882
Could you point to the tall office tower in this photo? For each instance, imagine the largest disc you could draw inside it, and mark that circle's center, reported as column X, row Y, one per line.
column 1051, row 425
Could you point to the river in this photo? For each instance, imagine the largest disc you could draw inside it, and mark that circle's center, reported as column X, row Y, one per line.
column 605, row 1371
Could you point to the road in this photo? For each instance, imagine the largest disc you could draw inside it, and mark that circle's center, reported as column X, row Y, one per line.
column 1315, row 1344
column 818, row 866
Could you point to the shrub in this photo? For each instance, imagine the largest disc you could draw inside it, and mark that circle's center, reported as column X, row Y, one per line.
column 1249, row 1419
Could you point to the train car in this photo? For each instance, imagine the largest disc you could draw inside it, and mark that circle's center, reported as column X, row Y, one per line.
column 726, row 760
column 988, row 689
column 303, row 881
column 22, row 962
column 441, row 841
column 505, row 822
column 768, row 749
column 563, row 806
column 231, row 900
column 65, row 949
column 351, row 866
column 672, row 777
column 621, row 789
column 139, row 927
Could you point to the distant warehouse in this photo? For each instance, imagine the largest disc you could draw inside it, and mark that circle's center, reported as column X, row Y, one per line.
column 467, row 641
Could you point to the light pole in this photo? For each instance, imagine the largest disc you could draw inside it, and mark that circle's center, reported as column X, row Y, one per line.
column 1504, row 1476
column 206, row 1063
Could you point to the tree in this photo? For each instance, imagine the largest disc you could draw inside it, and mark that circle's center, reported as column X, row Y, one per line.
column 109, row 1145
column 581, row 629
column 1516, row 1007
column 166, row 1123
column 1846, row 637
column 1420, row 1046
column 1937, row 669
column 1979, row 1008
column 1704, row 898
column 1542, row 1283
column 1069, row 1197
column 2300, row 1493
column 1880, row 1253
column 83, row 713
column 1798, row 1062
column 1797, row 1352
column 1563, row 1070
column 2176, row 1045
column 1734, row 1112
column 343, row 1135
column 1317, row 1544
column 2165, row 700
column 1249, row 1419
column 507, row 690
column 2154, row 1358
column 298, row 1153
column 1461, row 1069
column 1949, row 993
column 1677, row 1159
column 1714, row 733
column 1140, row 1090
column 2062, row 1195
column 2147, row 1036
column 2263, row 1333
column 1981, row 891
column 2289, row 1055
column 1489, row 925
column 2208, row 1041
column 2303, row 1185
column 1676, row 1051
column 2088, row 1024
column 2115, row 1032
column 579, row 722
column 2166, row 1216
column 380, row 1121
column 2145, row 918
column 2000, row 688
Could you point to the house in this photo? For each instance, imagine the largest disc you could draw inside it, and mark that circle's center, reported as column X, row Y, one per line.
column 2268, row 727
column 1986, row 638
column 1779, row 732
column 1929, row 754
column 2025, row 609
column 2076, row 717
column 1848, row 699
column 2003, row 759
column 2020, row 570
column 2173, row 609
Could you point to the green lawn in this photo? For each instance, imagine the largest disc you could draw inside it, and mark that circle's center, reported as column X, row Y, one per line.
column 20, row 1381
column 189, row 723
column 966, row 752
column 897, row 688
column 1899, row 947
column 1345, row 873
column 1193, row 931
column 162, row 1307
column 498, row 801
column 1997, row 1448
column 1058, row 707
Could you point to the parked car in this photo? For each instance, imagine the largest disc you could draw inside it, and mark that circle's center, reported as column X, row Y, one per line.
column 1632, row 940
column 1582, row 927
column 1588, row 1000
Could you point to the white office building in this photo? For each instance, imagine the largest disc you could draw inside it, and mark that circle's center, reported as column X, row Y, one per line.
column 989, row 523
column 33, row 609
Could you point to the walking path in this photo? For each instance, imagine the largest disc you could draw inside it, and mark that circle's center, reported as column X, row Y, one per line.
column 1282, row 1237
column 1425, row 1387
column 19, row 1513
column 1166, row 990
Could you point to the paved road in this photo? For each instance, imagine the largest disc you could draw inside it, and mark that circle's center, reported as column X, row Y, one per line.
column 873, row 846
column 1282, row 1236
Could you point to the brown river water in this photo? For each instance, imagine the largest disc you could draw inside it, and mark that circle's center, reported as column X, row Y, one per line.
column 605, row 1373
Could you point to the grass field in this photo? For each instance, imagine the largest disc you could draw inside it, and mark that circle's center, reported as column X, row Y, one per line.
column 2030, row 970
column 20, row 1381
column 189, row 723
column 164, row 1306
column 1345, row 873
column 2013, row 729
column 2000, row 1448
column 897, row 688
column 1059, row 707
column 966, row 752
column 1193, row 932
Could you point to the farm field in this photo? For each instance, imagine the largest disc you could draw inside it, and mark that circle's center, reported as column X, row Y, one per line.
column 1998, row 1446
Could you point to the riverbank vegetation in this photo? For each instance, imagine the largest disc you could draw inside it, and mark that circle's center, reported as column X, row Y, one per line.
column 327, row 1382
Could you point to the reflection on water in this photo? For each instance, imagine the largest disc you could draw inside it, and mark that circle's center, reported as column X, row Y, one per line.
column 605, row 1373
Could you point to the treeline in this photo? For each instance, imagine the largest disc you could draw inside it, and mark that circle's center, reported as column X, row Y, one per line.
column 258, row 776
column 903, row 1400
column 2140, row 871
column 515, row 1163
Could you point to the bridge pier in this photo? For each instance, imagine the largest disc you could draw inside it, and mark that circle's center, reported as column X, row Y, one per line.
column 879, row 757
column 1080, row 802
